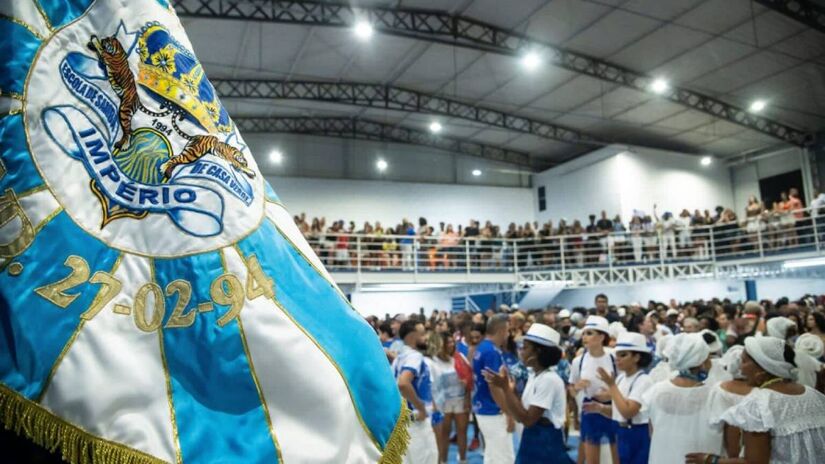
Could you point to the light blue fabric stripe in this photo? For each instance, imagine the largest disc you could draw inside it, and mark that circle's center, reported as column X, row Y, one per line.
column 217, row 407
column 62, row 12
column 21, row 174
column 33, row 330
column 269, row 193
column 342, row 332
column 18, row 47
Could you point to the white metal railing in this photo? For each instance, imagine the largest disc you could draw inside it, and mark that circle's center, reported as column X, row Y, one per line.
column 766, row 236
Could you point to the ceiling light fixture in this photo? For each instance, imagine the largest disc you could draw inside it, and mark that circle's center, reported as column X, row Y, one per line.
column 363, row 30
column 276, row 157
column 758, row 106
column 381, row 165
column 531, row 61
column 659, row 86
column 435, row 127
column 476, row 172
column 706, row 160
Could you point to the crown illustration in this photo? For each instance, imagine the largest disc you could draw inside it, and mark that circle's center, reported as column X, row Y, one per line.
column 173, row 75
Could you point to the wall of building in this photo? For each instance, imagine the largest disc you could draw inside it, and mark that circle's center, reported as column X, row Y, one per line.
column 621, row 180
column 389, row 202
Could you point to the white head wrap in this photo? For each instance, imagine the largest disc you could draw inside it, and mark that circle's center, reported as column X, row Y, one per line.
column 662, row 345
column 778, row 327
column 810, row 344
column 616, row 328
column 732, row 361
column 686, row 351
column 769, row 354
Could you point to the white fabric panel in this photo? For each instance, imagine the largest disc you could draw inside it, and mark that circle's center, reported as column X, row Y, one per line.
column 25, row 11
column 122, row 368
column 312, row 414
column 38, row 206
column 280, row 216
column 8, row 104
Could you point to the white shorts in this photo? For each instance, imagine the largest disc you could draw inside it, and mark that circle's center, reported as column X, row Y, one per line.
column 453, row 406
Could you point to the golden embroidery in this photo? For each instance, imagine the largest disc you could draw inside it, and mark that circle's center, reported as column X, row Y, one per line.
column 110, row 287
column 15, row 269
column 257, row 282
column 184, row 291
column 139, row 313
column 56, row 292
column 225, row 290
column 9, row 210
column 122, row 309
column 205, row 307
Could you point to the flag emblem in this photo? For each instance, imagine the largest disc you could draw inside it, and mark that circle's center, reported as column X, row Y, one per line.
column 157, row 302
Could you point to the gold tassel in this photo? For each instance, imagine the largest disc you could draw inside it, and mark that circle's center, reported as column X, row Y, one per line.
column 75, row 445
column 399, row 438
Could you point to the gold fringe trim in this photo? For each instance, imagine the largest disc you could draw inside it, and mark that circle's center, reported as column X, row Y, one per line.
column 399, row 438
column 75, row 445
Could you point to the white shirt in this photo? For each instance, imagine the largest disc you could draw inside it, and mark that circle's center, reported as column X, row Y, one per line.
column 446, row 384
column 632, row 388
column 546, row 390
column 681, row 422
column 586, row 370
column 817, row 203
column 796, row 423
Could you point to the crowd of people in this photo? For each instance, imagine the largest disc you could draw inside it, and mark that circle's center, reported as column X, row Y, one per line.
column 698, row 382
column 645, row 238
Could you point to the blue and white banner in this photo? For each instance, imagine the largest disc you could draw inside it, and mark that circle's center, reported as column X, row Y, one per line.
column 158, row 302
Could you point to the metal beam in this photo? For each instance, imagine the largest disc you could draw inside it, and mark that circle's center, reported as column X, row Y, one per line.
column 462, row 31
column 364, row 129
column 396, row 98
column 803, row 11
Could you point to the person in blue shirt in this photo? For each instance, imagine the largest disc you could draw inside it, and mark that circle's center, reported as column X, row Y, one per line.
column 414, row 383
column 496, row 427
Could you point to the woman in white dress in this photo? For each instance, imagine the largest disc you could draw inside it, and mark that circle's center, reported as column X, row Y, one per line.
column 679, row 409
column 782, row 421
column 728, row 394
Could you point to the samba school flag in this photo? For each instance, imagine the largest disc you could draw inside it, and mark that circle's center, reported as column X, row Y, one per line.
column 157, row 303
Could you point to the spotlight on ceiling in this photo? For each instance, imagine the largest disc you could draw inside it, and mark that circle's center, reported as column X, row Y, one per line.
column 757, row 106
column 659, row 86
column 381, row 165
column 276, row 157
column 706, row 161
column 363, row 30
column 435, row 127
column 476, row 172
column 531, row 61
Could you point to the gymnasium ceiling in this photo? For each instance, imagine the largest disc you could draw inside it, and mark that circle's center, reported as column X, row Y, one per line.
column 734, row 51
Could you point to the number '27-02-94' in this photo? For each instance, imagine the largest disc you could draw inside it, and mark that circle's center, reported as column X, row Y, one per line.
column 225, row 290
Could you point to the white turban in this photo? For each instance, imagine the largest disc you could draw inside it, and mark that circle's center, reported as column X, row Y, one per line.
column 769, row 354
column 778, row 327
column 686, row 351
column 811, row 344
column 732, row 361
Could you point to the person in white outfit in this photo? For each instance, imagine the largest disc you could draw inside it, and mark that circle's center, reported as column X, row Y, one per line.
column 728, row 394
column 782, row 421
column 679, row 409
column 596, row 430
column 413, row 377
